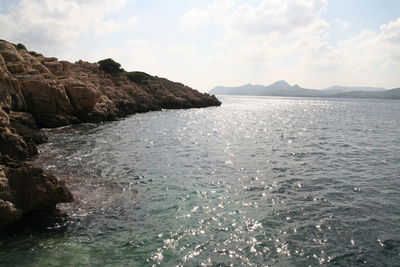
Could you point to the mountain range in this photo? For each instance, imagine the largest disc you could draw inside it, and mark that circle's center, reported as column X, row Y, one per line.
column 282, row 88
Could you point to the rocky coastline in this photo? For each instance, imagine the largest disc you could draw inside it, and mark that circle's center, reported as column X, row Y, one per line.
column 41, row 92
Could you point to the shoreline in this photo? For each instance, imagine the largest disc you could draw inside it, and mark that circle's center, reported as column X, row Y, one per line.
column 38, row 92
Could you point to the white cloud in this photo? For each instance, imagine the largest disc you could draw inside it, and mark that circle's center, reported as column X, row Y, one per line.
column 391, row 32
column 196, row 18
column 109, row 26
column 48, row 23
column 268, row 17
column 178, row 62
column 276, row 16
column 367, row 59
column 282, row 39
column 137, row 54
column 342, row 23
column 261, row 42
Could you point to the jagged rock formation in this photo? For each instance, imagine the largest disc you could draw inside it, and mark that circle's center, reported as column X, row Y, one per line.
column 36, row 91
column 59, row 93
column 23, row 187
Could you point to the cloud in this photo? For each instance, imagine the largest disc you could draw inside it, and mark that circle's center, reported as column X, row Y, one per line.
column 179, row 62
column 47, row 23
column 276, row 16
column 257, row 42
column 196, row 18
column 262, row 39
column 268, row 17
column 136, row 54
column 157, row 59
column 342, row 23
column 391, row 32
column 371, row 58
column 282, row 39
column 109, row 26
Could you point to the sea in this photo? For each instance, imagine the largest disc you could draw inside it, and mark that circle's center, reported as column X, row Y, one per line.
column 258, row 181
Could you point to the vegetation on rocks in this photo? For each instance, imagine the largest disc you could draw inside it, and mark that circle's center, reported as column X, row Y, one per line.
column 20, row 46
column 110, row 66
column 139, row 77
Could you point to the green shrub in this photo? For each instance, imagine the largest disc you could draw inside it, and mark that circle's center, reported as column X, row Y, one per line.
column 20, row 46
column 110, row 66
column 139, row 77
column 33, row 53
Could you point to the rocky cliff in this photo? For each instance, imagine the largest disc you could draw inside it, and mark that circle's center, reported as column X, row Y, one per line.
column 37, row 91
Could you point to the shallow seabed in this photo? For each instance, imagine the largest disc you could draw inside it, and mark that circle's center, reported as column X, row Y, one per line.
column 255, row 182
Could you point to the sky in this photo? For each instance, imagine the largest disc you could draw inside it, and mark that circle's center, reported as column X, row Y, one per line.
column 207, row 43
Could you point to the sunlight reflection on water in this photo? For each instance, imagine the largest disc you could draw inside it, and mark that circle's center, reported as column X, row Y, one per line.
column 257, row 181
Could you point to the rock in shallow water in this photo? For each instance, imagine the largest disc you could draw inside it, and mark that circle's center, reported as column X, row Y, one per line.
column 25, row 188
column 32, row 189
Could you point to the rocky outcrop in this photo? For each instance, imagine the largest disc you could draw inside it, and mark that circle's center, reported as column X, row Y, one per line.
column 32, row 189
column 59, row 93
column 23, row 187
column 37, row 91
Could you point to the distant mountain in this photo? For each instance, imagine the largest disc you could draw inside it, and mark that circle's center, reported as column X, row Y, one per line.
column 388, row 94
column 282, row 88
column 345, row 89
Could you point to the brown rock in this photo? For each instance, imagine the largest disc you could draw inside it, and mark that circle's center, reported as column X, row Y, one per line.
column 9, row 52
column 4, row 188
column 10, row 93
column 4, row 119
column 50, row 59
column 48, row 102
column 32, row 71
column 82, row 97
column 12, row 144
column 40, row 67
column 24, row 124
column 57, row 93
column 55, row 67
column 16, row 67
column 9, row 213
column 32, row 189
column 27, row 188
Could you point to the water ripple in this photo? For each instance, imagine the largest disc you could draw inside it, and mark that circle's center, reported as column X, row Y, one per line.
column 256, row 182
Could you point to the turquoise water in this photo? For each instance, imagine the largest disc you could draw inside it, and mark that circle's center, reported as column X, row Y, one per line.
column 255, row 182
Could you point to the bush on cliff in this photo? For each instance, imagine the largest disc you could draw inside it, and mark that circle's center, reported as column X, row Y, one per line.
column 110, row 66
column 139, row 77
column 33, row 53
column 20, row 46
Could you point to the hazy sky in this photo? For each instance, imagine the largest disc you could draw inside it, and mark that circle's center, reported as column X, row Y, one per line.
column 205, row 43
